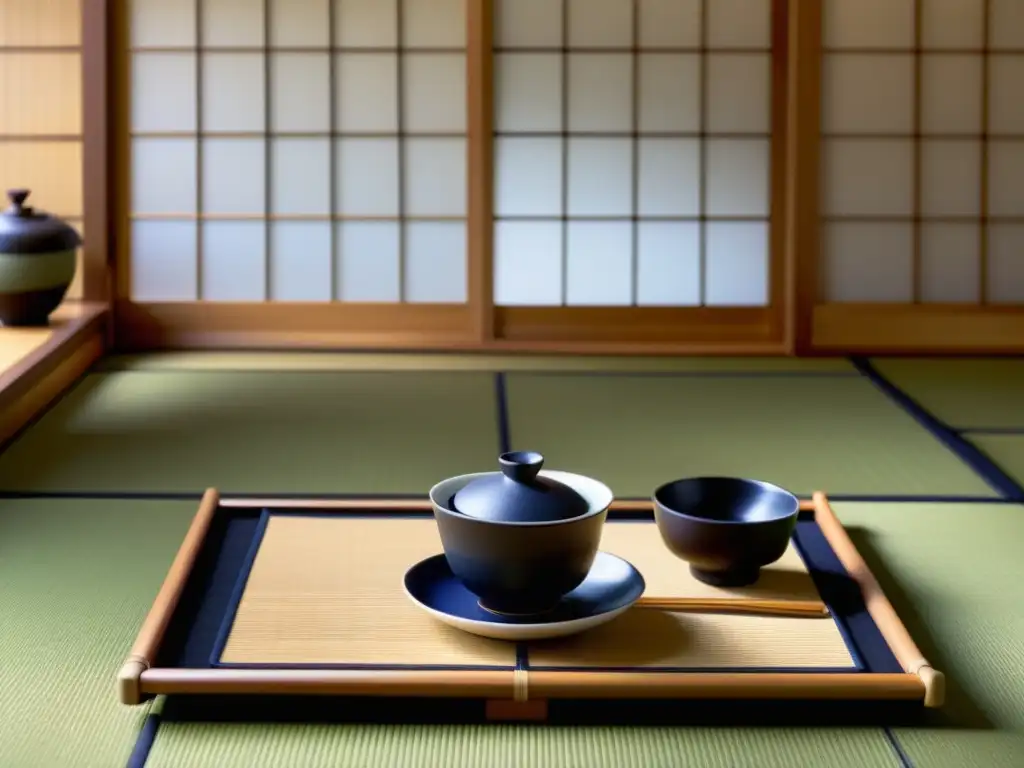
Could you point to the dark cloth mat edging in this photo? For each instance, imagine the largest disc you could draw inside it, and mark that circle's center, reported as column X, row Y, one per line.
column 990, row 431
column 970, row 454
column 144, row 742
column 897, row 748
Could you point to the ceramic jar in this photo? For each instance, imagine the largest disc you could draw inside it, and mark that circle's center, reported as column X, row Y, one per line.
column 37, row 262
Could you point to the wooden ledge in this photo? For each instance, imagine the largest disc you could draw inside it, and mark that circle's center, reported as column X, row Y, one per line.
column 38, row 364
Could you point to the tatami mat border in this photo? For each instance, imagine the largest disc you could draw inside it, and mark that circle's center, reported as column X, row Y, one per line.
column 144, row 741
column 966, row 451
column 968, row 431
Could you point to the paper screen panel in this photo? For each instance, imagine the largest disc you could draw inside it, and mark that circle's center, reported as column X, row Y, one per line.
column 630, row 137
column 41, row 108
column 921, row 135
column 304, row 120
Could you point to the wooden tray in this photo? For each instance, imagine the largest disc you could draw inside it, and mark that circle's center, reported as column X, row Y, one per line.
column 298, row 598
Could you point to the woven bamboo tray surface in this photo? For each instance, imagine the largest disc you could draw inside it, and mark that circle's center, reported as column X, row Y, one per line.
column 326, row 591
column 652, row 638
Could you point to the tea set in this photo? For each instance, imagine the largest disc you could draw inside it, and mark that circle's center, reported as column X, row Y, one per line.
column 522, row 558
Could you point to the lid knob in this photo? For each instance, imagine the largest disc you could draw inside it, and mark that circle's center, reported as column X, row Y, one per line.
column 18, row 198
column 521, row 466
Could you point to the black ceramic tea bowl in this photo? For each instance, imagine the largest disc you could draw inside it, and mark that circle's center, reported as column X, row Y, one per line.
column 726, row 528
column 520, row 539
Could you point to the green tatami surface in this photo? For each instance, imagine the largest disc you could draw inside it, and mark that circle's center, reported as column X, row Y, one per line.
column 326, row 746
column 838, row 434
column 963, row 393
column 1005, row 450
column 259, row 432
column 955, row 575
column 78, row 576
column 76, row 580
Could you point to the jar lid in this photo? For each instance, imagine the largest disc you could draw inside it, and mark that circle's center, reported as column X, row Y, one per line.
column 26, row 231
column 518, row 494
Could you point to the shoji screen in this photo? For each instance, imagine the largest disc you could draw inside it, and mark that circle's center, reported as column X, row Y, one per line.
column 298, row 151
column 632, row 153
column 923, row 152
column 41, row 107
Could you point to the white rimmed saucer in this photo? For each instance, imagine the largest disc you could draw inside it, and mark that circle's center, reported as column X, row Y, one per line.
column 611, row 587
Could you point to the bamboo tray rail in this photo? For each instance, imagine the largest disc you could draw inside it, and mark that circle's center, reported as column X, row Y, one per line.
column 286, row 598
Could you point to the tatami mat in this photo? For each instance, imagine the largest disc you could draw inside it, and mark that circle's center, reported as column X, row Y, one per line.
column 956, row 577
column 963, row 393
column 77, row 580
column 314, row 361
column 840, row 435
column 324, row 746
column 1005, row 450
column 256, row 432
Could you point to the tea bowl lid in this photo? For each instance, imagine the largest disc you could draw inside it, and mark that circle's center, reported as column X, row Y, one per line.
column 519, row 494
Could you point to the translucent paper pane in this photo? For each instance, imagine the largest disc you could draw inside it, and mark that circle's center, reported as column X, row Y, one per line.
column 868, row 262
column 234, row 176
column 300, row 261
column 599, row 264
column 434, row 23
column 868, row 23
column 163, row 95
column 369, row 261
column 234, row 263
column 233, row 95
column 300, row 23
column 736, row 264
column 435, row 262
column 868, row 177
column 164, row 176
column 528, row 177
column 527, row 23
column 950, row 265
column 668, row 264
column 163, row 261
column 528, row 92
column 1005, row 265
column 528, row 263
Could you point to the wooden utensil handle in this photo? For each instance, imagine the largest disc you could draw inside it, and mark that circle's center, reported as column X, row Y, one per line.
column 795, row 608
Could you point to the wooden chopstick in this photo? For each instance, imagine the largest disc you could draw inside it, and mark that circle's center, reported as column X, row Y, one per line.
column 795, row 608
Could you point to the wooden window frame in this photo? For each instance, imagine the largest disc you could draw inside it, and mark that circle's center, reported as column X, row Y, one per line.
column 794, row 323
